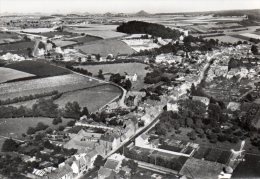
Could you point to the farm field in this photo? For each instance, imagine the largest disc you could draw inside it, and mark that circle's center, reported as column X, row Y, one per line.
column 62, row 43
column 19, row 48
column 7, row 74
column 52, row 34
column 251, row 35
column 92, row 98
column 105, row 47
column 40, row 69
column 86, row 38
column 121, row 68
column 8, row 37
column 226, row 38
column 62, row 83
column 103, row 31
column 38, row 30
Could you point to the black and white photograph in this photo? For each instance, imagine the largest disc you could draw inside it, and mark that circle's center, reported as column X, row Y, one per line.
column 129, row 89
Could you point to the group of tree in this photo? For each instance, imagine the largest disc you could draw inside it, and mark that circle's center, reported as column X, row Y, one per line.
column 139, row 27
column 156, row 76
column 27, row 98
column 172, row 163
column 121, row 81
column 79, row 70
column 40, row 127
column 42, row 108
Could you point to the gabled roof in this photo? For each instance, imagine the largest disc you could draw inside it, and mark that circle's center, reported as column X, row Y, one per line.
column 105, row 172
column 59, row 173
column 111, row 164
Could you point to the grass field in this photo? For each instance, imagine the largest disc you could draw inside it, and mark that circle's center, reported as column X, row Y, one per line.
column 15, row 127
column 16, row 48
column 129, row 68
column 7, row 74
column 105, row 47
column 40, row 69
column 92, row 98
column 61, row 83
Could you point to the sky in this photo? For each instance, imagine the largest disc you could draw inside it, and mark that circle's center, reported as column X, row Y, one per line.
column 125, row 6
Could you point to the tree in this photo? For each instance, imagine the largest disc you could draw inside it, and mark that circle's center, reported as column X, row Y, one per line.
column 191, row 108
column 100, row 74
column 131, row 164
column 61, row 128
column 30, row 131
column 99, row 161
column 128, row 84
column 71, row 123
column 72, row 110
column 85, row 111
column 254, row 49
column 9, row 145
column 56, row 120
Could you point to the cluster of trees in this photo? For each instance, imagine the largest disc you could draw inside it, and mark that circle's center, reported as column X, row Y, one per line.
column 172, row 163
column 100, row 75
column 40, row 127
column 27, row 98
column 79, row 70
column 155, row 76
column 42, row 108
column 120, row 80
column 13, row 166
column 131, row 164
column 139, row 27
column 254, row 49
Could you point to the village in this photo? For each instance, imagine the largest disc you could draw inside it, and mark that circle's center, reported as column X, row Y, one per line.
column 160, row 104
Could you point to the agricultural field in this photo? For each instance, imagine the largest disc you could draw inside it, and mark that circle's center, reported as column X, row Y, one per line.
column 7, row 74
column 63, row 43
column 225, row 38
column 52, row 34
column 8, row 37
column 63, row 83
column 20, row 48
column 40, row 69
column 103, row 31
column 105, row 47
column 251, row 35
column 38, row 30
column 85, row 39
column 92, row 98
column 121, row 68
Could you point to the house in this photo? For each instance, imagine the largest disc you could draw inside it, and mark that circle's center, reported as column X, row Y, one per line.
column 65, row 172
column 92, row 155
column 142, row 141
column 83, row 140
column 79, row 164
column 112, row 164
column 202, row 99
column 233, row 106
column 132, row 78
column 172, row 105
column 105, row 173
column 110, row 141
